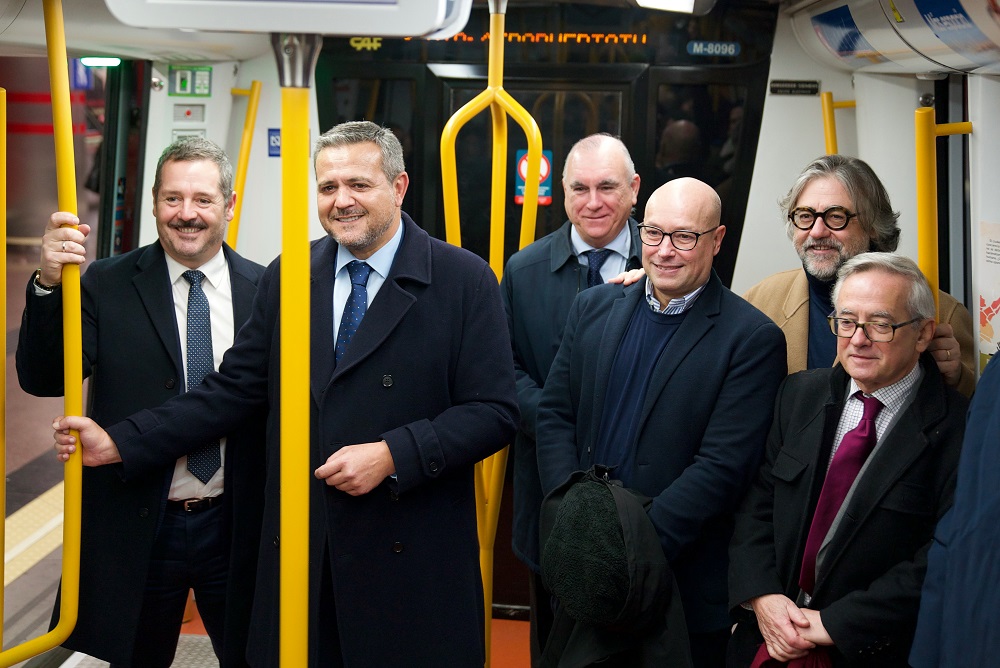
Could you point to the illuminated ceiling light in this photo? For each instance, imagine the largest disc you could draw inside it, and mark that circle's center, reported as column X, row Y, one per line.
column 100, row 61
column 686, row 6
column 699, row 7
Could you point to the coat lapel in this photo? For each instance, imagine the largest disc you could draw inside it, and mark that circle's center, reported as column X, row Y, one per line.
column 902, row 445
column 796, row 325
column 243, row 287
column 152, row 284
column 411, row 264
column 324, row 257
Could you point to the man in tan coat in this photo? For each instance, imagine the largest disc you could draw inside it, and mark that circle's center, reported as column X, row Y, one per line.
column 838, row 208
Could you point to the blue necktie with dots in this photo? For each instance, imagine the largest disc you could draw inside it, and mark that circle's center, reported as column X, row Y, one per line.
column 354, row 310
column 596, row 260
column 206, row 460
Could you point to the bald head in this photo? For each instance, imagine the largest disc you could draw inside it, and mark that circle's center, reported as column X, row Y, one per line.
column 688, row 198
column 690, row 210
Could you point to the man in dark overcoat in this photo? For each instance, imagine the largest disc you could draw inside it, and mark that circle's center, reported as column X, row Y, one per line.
column 412, row 383
column 134, row 310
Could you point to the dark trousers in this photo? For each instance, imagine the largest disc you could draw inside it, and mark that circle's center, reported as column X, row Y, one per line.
column 190, row 552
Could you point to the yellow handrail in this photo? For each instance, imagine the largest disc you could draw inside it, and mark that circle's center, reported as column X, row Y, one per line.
column 830, row 121
column 294, row 377
column 925, row 132
column 296, row 57
column 241, row 166
column 490, row 471
column 62, row 126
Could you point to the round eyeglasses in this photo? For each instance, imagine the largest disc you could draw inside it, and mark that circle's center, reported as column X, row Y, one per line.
column 835, row 217
column 680, row 239
column 877, row 332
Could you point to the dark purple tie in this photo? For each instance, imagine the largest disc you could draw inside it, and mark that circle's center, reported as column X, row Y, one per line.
column 847, row 462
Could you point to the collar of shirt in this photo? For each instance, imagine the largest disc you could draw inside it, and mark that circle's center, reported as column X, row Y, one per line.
column 674, row 306
column 214, row 270
column 620, row 244
column 380, row 260
column 183, row 485
column 894, row 400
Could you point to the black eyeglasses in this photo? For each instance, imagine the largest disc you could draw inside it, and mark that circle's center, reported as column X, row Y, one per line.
column 681, row 239
column 835, row 217
column 877, row 332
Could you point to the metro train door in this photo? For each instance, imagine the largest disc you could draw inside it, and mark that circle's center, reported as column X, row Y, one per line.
column 566, row 102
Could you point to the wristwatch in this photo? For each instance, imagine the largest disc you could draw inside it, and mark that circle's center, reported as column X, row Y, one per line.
column 38, row 282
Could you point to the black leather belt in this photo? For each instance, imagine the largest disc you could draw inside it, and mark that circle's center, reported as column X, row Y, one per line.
column 195, row 505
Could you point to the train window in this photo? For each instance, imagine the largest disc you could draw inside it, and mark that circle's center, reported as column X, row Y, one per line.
column 698, row 134
column 684, row 93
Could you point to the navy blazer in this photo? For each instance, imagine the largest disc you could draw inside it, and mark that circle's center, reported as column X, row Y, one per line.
column 132, row 355
column 703, row 423
column 430, row 371
column 539, row 285
column 868, row 586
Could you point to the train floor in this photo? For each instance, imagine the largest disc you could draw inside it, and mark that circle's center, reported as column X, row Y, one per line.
column 33, row 528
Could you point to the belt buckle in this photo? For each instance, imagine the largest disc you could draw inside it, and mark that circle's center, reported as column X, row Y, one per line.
column 191, row 505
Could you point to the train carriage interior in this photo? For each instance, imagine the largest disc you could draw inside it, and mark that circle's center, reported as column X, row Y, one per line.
column 732, row 94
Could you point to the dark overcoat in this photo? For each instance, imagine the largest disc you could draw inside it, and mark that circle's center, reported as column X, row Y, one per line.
column 959, row 621
column 539, row 284
column 132, row 355
column 430, row 371
column 868, row 585
column 701, row 430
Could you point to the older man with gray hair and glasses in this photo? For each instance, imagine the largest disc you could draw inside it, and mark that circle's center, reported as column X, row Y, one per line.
column 830, row 548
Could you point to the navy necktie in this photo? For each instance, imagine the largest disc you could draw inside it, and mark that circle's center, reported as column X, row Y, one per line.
column 851, row 455
column 357, row 304
column 206, row 460
column 596, row 260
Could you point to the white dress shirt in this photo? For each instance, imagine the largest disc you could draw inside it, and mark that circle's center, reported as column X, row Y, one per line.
column 219, row 291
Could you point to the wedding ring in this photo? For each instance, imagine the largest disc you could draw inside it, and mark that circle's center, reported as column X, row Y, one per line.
column 64, row 247
column 949, row 354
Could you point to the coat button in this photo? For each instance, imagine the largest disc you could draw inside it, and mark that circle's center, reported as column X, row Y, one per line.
column 275, row 541
column 397, row 547
column 170, row 383
column 434, row 466
column 387, row 381
column 144, row 512
column 393, row 496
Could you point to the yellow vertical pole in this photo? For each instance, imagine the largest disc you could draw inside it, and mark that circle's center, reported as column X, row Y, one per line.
column 829, row 123
column 490, row 472
column 498, row 208
column 296, row 56
column 62, row 123
column 246, row 142
column 926, row 182
column 294, row 542
column 830, row 120
column 62, row 126
column 925, row 132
